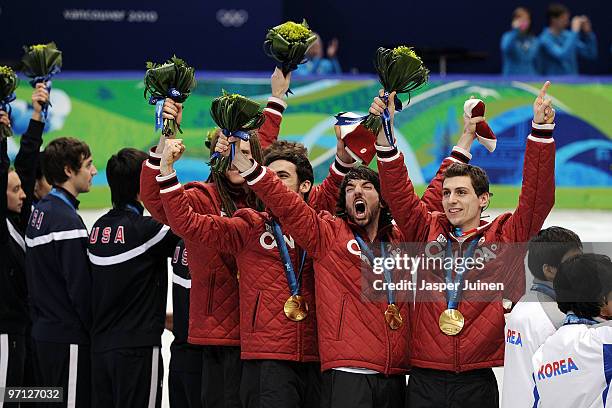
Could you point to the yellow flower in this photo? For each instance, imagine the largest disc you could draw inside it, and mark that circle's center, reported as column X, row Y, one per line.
column 293, row 32
column 4, row 70
column 38, row 47
column 402, row 50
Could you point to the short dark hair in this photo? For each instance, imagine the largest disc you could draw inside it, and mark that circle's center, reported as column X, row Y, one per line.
column 479, row 178
column 548, row 247
column 583, row 283
column 556, row 10
column 367, row 174
column 62, row 152
column 292, row 152
column 123, row 175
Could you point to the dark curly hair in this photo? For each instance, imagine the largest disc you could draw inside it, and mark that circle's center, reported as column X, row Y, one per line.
column 363, row 173
column 583, row 283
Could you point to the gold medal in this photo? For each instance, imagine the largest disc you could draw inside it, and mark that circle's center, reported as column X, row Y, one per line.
column 296, row 308
column 451, row 322
column 393, row 317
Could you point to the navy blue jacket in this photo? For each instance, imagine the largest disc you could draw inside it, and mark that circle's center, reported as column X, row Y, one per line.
column 14, row 315
column 57, row 270
column 129, row 259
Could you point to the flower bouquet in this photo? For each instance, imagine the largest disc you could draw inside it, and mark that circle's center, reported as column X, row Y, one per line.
column 175, row 80
column 40, row 63
column 287, row 44
column 236, row 115
column 8, row 84
column 401, row 70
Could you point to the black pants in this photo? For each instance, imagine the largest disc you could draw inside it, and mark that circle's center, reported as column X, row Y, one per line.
column 280, row 384
column 221, row 373
column 67, row 366
column 342, row 389
column 12, row 362
column 185, row 376
column 130, row 377
column 444, row 389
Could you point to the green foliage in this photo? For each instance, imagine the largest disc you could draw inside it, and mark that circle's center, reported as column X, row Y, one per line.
column 160, row 79
column 41, row 60
column 8, row 84
column 233, row 112
column 399, row 69
column 287, row 44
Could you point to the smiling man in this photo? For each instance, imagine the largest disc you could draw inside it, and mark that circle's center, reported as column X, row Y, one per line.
column 58, row 273
column 458, row 337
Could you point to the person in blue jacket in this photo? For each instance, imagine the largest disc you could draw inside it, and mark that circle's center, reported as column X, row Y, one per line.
column 519, row 46
column 317, row 63
column 560, row 47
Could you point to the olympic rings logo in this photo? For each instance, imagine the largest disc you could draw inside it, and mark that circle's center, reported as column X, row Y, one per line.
column 232, row 18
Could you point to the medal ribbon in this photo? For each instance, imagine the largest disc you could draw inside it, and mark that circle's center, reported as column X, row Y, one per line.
column 385, row 118
column 573, row 319
column 453, row 296
column 293, row 281
column 237, row 133
column 158, row 101
column 55, row 192
column 547, row 290
column 47, row 80
column 365, row 249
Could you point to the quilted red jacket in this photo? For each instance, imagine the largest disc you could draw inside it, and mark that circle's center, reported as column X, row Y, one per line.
column 213, row 309
column 265, row 331
column 481, row 342
column 352, row 332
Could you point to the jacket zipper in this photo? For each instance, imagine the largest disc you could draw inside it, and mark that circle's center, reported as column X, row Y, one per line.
column 456, row 338
column 211, row 292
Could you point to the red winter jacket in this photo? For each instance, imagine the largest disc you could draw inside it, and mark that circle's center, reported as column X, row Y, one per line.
column 213, row 309
column 481, row 342
column 352, row 332
column 265, row 331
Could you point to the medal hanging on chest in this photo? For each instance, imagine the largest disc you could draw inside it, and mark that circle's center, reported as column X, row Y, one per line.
column 295, row 308
column 393, row 317
column 451, row 320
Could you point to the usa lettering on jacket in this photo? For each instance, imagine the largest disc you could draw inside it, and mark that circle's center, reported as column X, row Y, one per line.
column 557, row 368
column 178, row 254
column 107, row 233
column 514, row 337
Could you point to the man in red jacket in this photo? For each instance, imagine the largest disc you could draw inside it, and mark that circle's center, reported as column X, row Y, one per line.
column 457, row 337
column 363, row 345
column 277, row 309
column 214, row 312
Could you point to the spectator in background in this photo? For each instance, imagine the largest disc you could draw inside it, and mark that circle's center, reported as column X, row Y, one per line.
column 317, row 63
column 519, row 46
column 560, row 47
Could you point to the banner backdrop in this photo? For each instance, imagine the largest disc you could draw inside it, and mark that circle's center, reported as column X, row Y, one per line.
column 109, row 112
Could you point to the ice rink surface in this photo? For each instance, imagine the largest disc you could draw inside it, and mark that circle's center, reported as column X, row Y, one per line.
column 590, row 225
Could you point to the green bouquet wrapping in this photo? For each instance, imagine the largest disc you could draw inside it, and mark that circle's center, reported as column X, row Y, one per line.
column 175, row 80
column 8, row 84
column 40, row 63
column 287, row 44
column 401, row 70
column 236, row 115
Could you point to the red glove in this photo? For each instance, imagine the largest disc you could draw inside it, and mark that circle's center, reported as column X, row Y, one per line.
column 474, row 108
column 359, row 142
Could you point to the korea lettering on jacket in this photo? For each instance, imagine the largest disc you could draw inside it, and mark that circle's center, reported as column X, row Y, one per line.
column 573, row 367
